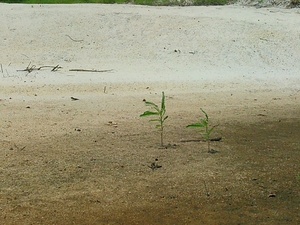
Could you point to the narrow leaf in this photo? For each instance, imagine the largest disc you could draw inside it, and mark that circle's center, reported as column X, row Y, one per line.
column 204, row 122
column 149, row 113
column 163, row 106
column 154, row 120
column 210, row 131
column 162, row 112
column 150, row 104
column 196, row 125
column 153, row 105
column 206, row 116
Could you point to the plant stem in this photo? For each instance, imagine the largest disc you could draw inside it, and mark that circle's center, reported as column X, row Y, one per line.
column 208, row 145
column 161, row 131
column 207, row 137
column 161, row 138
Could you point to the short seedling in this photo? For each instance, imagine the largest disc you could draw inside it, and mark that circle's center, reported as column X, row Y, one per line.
column 160, row 114
column 204, row 124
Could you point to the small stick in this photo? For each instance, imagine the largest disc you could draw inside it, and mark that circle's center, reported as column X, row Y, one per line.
column 192, row 140
column 29, row 70
column 1, row 68
column 29, row 65
column 25, row 55
column 263, row 39
column 200, row 140
column 84, row 70
column 73, row 39
column 55, row 68
column 104, row 89
column 33, row 67
column 74, row 99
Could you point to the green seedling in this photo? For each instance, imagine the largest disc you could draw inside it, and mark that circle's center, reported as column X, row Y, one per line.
column 159, row 113
column 205, row 127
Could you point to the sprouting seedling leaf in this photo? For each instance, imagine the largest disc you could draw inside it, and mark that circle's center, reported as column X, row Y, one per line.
column 149, row 113
column 206, row 116
column 157, row 112
column 165, row 118
column 204, row 126
column 196, row 125
column 152, row 105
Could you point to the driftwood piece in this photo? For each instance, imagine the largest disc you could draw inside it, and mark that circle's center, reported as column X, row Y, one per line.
column 29, row 68
column 199, row 140
column 55, row 68
column 87, row 70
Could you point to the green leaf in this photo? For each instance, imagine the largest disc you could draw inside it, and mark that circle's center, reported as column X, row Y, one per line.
column 153, row 105
column 211, row 129
column 154, row 120
column 163, row 106
column 209, row 132
column 149, row 113
column 196, row 125
column 206, row 116
column 150, row 104
column 204, row 122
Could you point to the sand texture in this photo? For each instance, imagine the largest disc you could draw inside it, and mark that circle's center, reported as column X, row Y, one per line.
column 73, row 149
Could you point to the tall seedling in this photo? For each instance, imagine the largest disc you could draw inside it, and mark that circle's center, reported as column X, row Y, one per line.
column 159, row 114
column 205, row 127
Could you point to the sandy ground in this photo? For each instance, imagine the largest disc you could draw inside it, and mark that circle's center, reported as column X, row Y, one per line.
column 88, row 161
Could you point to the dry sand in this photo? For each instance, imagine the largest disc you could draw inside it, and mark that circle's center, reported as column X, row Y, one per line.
column 213, row 44
column 86, row 161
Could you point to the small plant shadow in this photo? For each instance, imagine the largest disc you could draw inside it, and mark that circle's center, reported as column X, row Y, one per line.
column 169, row 146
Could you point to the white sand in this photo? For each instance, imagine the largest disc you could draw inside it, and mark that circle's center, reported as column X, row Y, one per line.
column 227, row 44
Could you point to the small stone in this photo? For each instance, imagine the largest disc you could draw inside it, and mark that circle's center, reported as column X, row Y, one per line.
column 272, row 195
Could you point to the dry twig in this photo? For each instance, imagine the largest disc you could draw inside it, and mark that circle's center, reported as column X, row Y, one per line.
column 29, row 68
column 200, row 140
column 87, row 70
column 74, row 39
